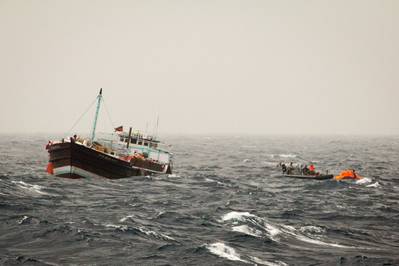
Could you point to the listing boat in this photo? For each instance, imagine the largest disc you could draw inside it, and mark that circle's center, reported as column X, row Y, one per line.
column 116, row 155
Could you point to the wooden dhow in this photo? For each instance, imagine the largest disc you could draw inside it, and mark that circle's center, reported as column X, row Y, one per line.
column 116, row 155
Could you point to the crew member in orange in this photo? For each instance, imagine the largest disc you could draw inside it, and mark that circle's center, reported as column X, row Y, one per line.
column 312, row 169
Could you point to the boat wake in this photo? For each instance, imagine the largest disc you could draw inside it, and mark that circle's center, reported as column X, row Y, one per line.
column 368, row 182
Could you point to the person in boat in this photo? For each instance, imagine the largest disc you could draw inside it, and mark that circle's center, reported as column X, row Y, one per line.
column 312, row 169
column 290, row 168
column 305, row 170
column 354, row 173
column 348, row 174
column 284, row 168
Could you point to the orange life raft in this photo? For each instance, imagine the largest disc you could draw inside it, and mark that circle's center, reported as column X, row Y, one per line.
column 347, row 174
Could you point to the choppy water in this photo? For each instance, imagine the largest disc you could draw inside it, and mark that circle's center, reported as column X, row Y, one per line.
column 222, row 206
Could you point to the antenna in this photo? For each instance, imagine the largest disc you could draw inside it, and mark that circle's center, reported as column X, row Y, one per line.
column 156, row 130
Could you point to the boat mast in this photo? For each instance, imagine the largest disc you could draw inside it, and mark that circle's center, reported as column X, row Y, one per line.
column 99, row 97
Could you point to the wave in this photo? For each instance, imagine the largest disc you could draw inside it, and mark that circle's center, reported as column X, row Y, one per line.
column 126, row 218
column 312, row 229
column 23, row 260
column 36, row 189
column 293, row 232
column 255, row 226
column 141, row 229
column 245, row 229
column 224, row 251
column 236, row 215
column 23, row 220
column 210, row 180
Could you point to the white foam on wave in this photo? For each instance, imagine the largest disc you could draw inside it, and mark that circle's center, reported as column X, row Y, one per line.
column 292, row 231
column 312, row 229
column 258, row 227
column 119, row 227
column 173, row 176
column 224, row 251
column 31, row 188
column 272, row 230
column 236, row 216
column 268, row 263
column 318, row 242
column 125, row 218
column 23, row 219
column 255, row 226
column 210, row 180
column 376, row 184
column 143, row 230
column 364, row 180
column 154, row 234
column 245, row 229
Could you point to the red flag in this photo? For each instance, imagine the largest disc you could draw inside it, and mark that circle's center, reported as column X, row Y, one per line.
column 120, row 128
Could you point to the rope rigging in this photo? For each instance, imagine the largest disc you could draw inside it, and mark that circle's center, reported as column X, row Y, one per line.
column 109, row 116
column 87, row 110
column 77, row 121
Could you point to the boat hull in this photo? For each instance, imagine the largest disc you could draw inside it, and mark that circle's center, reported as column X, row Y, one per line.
column 72, row 160
column 313, row 177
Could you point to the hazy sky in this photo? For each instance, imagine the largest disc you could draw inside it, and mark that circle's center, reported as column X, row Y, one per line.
column 236, row 67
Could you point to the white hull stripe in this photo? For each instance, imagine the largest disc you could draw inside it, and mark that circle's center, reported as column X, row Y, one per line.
column 75, row 170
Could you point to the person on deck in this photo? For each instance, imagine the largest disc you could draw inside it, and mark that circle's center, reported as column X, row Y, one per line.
column 48, row 145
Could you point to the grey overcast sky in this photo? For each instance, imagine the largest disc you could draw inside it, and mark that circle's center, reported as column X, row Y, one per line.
column 211, row 67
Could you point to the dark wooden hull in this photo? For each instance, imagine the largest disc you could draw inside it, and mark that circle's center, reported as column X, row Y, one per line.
column 73, row 160
column 314, row 177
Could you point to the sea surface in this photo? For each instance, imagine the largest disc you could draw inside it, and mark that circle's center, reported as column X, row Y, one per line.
column 223, row 205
